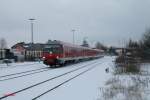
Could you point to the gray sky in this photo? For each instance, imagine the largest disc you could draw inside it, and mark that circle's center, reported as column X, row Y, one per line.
column 111, row 22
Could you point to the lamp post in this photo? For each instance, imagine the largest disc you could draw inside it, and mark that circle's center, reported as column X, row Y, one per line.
column 32, row 20
column 32, row 39
column 73, row 31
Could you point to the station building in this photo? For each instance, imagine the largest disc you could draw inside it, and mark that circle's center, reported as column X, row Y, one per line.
column 28, row 51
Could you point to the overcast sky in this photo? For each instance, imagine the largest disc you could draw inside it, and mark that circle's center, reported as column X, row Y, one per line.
column 111, row 22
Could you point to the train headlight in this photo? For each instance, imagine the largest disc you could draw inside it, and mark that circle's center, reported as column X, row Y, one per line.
column 43, row 57
column 50, row 52
column 57, row 57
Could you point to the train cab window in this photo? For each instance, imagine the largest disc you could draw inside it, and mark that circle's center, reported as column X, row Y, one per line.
column 56, row 49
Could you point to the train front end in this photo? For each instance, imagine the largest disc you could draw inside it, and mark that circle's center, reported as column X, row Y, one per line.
column 52, row 54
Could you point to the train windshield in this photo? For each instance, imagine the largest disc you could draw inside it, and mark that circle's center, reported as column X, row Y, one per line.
column 55, row 49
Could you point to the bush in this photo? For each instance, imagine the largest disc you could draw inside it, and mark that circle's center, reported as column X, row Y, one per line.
column 132, row 68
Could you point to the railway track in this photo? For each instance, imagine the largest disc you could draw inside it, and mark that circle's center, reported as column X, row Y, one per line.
column 22, row 74
column 57, row 86
column 9, row 66
column 55, row 77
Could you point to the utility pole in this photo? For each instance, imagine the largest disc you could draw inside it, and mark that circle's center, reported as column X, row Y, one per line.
column 73, row 38
column 32, row 39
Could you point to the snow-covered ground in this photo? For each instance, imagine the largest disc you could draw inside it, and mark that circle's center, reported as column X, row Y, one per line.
column 127, row 86
column 4, row 65
column 19, row 67
column 84, row 87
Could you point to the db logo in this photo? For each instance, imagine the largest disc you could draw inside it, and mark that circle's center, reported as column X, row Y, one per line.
column 9, row 94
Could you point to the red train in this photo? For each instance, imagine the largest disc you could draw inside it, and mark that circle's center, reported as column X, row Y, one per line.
column 60, row 53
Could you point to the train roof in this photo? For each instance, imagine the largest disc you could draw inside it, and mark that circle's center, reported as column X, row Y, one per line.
column 71, row 45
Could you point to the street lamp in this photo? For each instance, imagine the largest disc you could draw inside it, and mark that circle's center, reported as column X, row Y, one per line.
column 32, row 20
column 32, row 41
column 73, row 31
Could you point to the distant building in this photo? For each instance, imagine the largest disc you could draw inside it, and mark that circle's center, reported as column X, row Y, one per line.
column 6, row 54
column 28, row 50
column 2, row 54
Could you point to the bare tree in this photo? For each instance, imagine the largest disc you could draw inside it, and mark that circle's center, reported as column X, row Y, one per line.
column 145, row 45
column 85, row 43
column 3, row 43
column 99, row 45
